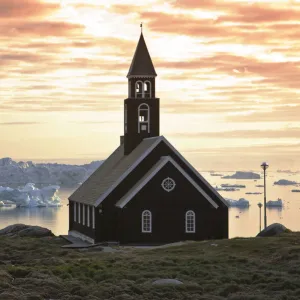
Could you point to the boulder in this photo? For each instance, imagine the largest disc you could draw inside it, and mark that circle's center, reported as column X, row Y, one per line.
column 166, row 281
column 272, row 230
column 26, row 230
column 35, row 231
column 12, row 229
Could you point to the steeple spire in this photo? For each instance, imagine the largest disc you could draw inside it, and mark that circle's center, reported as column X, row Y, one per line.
column 141, row 64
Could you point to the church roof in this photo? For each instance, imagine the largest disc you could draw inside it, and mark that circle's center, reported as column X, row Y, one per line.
column 141, row 63
column 109, row 173
column 118, row 166
column 152, row 172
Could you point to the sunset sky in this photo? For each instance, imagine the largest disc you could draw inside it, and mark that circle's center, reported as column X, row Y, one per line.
column 228, row 78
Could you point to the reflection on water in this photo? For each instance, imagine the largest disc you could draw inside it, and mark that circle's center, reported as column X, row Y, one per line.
column 54, row 218
column 245, row 225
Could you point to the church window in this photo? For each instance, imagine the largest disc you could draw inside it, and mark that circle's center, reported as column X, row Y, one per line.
column 146, row 221
column 83, row 214
column 88, row 216
column 190, row 222
column 79, row 213
column 93, row 217
column 75, row 211
column 139, row 91
column 168, row 184
column 143, row 117
column 147, row 89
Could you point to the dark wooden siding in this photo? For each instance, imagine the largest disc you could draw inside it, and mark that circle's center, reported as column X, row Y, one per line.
column 168, row 212
column 84, row 229
column 108, row 223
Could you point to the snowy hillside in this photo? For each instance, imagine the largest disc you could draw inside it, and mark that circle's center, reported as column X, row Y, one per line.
column 12, row 172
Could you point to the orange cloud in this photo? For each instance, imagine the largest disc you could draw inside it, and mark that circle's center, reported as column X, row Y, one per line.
column 40, row 28
column 26, row 8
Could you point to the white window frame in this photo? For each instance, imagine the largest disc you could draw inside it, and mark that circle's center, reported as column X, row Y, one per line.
column 147, row 213
column 149, row 88
column 75, row 212
column 148, row 116
column 190, row 214
column 79, row 213
column 83, row 214
column 88, row 216
column 93, row 217
column 163, row 184
column 136, row 84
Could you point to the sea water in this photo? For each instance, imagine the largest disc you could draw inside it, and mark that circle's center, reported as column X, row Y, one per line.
column 243, row 222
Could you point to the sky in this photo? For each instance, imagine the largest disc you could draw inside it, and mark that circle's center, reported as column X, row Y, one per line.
column 228, row 78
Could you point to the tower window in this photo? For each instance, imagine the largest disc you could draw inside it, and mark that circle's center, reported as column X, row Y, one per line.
column 143, row 118
column 147, row 89
column 139, row 91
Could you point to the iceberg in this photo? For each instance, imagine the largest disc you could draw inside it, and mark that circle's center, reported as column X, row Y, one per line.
column 242, row 175
column 242, row 202
column 30, row 196
column 12, row 172
column 285, row 182
column 275, row 203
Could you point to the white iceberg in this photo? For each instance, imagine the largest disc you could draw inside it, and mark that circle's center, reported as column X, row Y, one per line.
column 275, row 203
column 12, row 172
column 242, row 175
column 30, row 196
column 242, row 202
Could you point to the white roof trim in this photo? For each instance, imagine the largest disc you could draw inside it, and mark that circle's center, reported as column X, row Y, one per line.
column 164, row 159
column 196, row 172
column 124, row 175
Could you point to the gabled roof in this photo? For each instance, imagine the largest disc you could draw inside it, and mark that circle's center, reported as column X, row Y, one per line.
column 118, row 166
column 111, row 172
column 141, row 63
column 152, row 172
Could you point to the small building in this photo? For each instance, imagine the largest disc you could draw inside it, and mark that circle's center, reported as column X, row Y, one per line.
column 146, row 192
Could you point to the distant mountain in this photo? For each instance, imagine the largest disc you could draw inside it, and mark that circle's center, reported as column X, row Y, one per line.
column 12, row 172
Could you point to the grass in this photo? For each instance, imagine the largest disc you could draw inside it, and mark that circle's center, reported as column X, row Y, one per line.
column 236, row 269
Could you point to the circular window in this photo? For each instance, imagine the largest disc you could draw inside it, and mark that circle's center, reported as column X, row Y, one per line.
column 168, row 184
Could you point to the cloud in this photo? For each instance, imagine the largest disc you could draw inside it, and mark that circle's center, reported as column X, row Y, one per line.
column 276, row 114
column 40, row 28
column 26, row 8
column 20, row 123
column 254, row 134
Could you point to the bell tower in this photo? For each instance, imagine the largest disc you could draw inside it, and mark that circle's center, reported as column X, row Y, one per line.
column 141, row 108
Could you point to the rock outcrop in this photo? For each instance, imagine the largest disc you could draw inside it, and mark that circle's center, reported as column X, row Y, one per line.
column 272, row 230
column 25, row 230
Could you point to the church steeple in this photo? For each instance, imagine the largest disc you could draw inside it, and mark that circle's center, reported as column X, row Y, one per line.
column 141, row 63
column 141, row 108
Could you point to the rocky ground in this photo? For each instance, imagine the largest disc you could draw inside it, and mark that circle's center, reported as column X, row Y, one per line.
column 236, row 269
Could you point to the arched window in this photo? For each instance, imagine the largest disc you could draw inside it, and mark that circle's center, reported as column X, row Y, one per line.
column 190, row 222
column 146, row 221
column 143, row 118
column 139, row 91
column 147, row 89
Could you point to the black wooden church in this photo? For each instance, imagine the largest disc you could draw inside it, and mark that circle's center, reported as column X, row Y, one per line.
column 146, row 192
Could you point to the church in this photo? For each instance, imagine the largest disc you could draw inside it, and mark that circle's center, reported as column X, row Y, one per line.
column 146, row 192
